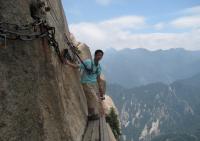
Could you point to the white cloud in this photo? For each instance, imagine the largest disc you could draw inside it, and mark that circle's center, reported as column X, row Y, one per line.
column 159, row 26
column 125, row 22
column 190, row 18
column 120, row 33
column 187, row 22
column 192, row 10
column 155, row 41
column 104, row 2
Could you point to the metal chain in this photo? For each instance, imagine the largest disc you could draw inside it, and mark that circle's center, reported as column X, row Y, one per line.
column 22, row 27
column 74, row 51
column 14, row 32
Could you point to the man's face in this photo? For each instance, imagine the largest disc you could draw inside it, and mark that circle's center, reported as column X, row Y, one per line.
column 98, row 56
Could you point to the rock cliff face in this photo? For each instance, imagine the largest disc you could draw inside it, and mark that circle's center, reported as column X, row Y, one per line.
column 40, row 98
column 108, row 104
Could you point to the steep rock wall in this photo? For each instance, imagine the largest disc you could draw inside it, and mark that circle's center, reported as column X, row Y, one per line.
column 40, row 99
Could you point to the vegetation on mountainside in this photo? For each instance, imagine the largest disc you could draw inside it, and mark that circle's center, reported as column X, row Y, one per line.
column 112, row 120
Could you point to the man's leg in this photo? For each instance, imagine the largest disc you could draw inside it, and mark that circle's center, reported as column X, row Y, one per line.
column 92, row 99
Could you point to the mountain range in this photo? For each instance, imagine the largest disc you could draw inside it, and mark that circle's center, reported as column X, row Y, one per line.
column 160, row 112
column 157, row 93
column 136, row 67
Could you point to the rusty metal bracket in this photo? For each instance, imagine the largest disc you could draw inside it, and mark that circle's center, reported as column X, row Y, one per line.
column 3, row 41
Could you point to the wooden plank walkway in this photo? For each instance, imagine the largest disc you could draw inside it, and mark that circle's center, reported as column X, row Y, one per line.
column 111, row 135
column 98, row 130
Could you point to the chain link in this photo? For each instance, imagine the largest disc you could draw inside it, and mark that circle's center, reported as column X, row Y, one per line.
column 16, row 32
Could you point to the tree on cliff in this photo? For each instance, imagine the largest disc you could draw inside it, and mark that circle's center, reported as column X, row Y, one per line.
column 112, row 120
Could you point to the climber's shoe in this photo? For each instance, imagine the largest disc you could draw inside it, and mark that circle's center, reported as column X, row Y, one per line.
column 93, row 117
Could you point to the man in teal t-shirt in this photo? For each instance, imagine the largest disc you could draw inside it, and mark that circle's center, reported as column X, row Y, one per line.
column 90, row 80
column 90, row 77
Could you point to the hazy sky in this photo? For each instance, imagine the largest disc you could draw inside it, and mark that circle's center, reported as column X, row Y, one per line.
column 150, row 24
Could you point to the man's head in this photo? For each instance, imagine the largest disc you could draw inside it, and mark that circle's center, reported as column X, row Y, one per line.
column 98, row 55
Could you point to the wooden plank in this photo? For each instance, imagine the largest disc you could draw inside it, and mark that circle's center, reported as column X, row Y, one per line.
column 95, row 133
column 106, row 134
column 104, row 130
column 111, row 135
column 88, row 133
column 101, row 129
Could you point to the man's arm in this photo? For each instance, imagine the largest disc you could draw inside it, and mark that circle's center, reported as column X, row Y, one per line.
column 101, row 94
column 72, row 65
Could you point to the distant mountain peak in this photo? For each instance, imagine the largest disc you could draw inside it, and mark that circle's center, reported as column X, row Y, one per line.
column 136, row 67
column 148, row 50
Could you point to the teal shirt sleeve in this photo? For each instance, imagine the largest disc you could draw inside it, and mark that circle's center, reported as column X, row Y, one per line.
column 87, row 63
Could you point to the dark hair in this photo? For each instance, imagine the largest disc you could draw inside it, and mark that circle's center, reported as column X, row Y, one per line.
column 98, row 51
